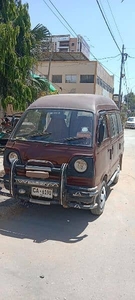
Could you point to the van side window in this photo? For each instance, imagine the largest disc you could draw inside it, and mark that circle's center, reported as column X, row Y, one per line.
column 104, row 120
column 113, row 124
column 120, row 128
column 105, row 128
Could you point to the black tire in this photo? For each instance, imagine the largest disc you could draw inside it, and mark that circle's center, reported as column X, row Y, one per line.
column 101, row 199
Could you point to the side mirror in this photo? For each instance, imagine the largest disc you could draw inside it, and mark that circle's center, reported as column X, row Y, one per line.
column 101, row 130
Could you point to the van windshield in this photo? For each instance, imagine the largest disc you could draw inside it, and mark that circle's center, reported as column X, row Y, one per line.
column 59, row 126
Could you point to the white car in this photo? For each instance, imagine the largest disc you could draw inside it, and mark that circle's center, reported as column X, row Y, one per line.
column 130, row 122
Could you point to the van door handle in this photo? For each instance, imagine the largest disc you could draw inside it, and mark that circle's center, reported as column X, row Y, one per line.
column 111, row 152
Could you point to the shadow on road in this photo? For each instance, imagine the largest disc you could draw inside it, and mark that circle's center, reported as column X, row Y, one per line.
column 41, row 224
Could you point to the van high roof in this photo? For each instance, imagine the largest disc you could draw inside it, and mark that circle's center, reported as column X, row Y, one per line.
column 88, row 102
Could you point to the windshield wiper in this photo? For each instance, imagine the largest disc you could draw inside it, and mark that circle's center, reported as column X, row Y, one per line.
column 24, row 137
column 74, row 138
column 40, row 134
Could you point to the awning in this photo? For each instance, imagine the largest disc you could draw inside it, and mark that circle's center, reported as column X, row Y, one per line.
column 51, row 87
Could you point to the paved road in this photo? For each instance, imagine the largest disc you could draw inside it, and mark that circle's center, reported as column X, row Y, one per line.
column 48, row 253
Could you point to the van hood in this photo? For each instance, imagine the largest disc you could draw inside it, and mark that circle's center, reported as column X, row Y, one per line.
column 57, row 154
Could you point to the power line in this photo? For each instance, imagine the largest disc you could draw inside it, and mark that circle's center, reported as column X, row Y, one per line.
column 105, row 15
column 109, row 57
column 57, row 17
column 62, row 17
column 131, row 56
column 72, row 30
column 104, row 65
column 115, row 21
column 108, row 25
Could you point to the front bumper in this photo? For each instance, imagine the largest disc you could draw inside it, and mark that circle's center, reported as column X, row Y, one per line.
column 130, row 126
column 63, row 194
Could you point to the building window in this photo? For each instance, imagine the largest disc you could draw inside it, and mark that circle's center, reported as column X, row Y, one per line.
column 104, row 85
column 64, row 44
column 72, row 44
column 57, row 78
column 70, row 78
column 86, row 78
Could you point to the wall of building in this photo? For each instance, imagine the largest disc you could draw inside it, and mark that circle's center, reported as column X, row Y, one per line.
column 74, row 68
column 73, row 45
column 78, row 72
column 65, row 43
column 104, row 82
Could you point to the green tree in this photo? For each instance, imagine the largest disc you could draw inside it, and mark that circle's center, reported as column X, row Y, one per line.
column 130, row 101
column 40, row 39
column 14, row 67
column 17, row 42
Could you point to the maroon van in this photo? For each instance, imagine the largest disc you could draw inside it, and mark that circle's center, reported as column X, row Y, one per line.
column 65, row 149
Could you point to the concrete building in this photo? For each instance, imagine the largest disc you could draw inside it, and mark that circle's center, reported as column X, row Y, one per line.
column 74, row 76
column 65, row 43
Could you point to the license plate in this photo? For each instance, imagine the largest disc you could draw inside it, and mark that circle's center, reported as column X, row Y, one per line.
column 41, row 192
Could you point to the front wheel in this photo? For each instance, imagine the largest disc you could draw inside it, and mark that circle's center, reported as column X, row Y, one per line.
column 101, row 199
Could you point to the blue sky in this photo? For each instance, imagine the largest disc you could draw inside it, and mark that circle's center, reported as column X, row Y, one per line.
column 85, row 18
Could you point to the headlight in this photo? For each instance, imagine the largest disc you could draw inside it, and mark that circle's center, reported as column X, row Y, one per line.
column 12, row 156
column 80, row 165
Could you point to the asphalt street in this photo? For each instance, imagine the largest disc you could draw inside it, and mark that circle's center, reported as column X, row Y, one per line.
column 52, row 253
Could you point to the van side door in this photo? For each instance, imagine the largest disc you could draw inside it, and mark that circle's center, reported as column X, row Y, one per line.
column 114, row 138
column 103, row 162
column 120, row 138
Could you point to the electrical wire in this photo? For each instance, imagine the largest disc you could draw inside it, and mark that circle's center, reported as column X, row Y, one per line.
column 73, row 30
column 57, row 17
column 131, row 56
column 104, row 65
column 109, row 57
column 75, row 33
column 62, row 17
column 108, row 25
column 115, row 21
column 105, row 15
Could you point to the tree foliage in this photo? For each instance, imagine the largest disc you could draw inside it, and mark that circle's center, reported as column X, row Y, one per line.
column 130, row 101
column 17, row 41
column 40, row 38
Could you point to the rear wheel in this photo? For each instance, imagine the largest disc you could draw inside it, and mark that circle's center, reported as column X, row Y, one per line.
column 101, row 199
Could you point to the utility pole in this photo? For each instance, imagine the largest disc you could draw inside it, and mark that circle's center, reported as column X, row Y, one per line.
column 50, row 59
column 123, row 59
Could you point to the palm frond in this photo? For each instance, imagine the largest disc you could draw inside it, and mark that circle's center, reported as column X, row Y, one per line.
column 40, row 32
